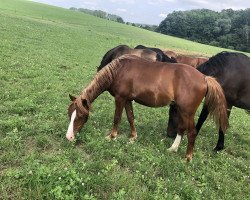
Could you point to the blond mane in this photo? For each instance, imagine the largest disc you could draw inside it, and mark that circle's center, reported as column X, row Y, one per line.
column 102, row 80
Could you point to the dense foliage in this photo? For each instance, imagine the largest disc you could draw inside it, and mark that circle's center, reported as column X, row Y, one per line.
column 227, row 29
column 100, row 13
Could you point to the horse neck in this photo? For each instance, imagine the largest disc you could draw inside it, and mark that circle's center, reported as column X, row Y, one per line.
column 99, row 84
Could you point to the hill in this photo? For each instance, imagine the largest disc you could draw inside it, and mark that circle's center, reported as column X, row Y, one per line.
column 49, row 52
column 100, row 13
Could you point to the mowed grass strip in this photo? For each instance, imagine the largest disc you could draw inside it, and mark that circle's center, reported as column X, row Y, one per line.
column 47, row 53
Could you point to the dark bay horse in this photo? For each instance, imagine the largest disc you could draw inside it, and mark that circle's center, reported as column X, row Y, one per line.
column 162, row 55
column 232, row 71
column 124, row 49
column 154, row 84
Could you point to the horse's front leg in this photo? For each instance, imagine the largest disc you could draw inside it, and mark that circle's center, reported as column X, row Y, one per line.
column 130, row 116
column 172, row 128
column 186, row 123
column 119, row 105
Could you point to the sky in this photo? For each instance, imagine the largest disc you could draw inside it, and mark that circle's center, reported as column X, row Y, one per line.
column 148, row 11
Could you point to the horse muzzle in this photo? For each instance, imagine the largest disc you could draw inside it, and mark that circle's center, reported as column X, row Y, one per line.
column 70, row 136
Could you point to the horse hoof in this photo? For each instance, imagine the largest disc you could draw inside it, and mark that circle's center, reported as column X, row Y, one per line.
column 132, row 139
column 218, row 148
column 188, row 158
column 172, row 149
column 110, row 137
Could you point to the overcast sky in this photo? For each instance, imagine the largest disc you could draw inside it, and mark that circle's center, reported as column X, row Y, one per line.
column 148, row 11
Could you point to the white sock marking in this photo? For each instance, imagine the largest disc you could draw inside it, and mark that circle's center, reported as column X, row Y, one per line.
column 176, row 143
column 70, row 132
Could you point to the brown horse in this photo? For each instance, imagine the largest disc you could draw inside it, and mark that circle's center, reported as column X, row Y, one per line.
column 194, row 62
column 153, row 84
column 120, row 50
column 162, row 57
column 170, row 54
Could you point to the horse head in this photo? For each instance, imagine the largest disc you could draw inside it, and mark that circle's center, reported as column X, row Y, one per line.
column 78, row 112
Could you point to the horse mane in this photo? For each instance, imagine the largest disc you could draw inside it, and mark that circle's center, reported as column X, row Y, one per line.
column 107, row 58
column 140, row 47
column 102, row 80
column 216, row 64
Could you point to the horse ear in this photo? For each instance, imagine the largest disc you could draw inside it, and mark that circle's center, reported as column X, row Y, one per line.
column 85, row 103
column 72, row 98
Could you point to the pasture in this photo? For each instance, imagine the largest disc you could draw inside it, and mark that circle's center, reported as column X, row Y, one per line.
column 47, row 53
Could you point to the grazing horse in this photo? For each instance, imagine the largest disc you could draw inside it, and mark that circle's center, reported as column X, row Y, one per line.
column 124, row 49
column 232, row 71
column 194, row 62
column 163, row 57
column 153, row 84
column 170, row 54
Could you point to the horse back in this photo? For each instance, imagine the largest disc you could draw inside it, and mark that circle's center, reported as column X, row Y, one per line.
column 156, row 84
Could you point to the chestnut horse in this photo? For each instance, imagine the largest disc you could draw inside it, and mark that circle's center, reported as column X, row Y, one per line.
column 124, row 49
column 232, row 70
column 170, row 54
column 153, row 84
column 163, row 57
column 194, row 62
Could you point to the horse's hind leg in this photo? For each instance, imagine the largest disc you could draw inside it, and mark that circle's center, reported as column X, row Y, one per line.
column 220, row 144
column 202, row 118
column 130, row 116
column 191, row 135
column 119, row 105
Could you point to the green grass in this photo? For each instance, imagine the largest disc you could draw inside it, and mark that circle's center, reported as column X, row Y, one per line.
column 47, row 53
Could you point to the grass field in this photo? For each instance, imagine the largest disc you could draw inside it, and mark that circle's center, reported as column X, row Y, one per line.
column 47, row 53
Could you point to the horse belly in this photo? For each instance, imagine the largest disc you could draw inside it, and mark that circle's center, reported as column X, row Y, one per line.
column 153, row 99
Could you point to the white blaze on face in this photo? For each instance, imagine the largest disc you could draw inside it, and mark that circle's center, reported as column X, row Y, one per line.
column 70, row 133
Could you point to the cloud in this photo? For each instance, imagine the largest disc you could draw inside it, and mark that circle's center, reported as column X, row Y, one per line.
column 121, row 10
column 199, row 1
column 148, row 11
column 123, row 1
column 215, row 4
column 90, row 3
column 163, row 15
column 157, row 2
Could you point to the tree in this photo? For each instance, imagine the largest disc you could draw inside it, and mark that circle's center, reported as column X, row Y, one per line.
column 228, row 28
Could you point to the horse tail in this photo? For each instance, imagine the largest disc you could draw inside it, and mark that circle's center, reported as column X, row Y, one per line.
column 216, row 103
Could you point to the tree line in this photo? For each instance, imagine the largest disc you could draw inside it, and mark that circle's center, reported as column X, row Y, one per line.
column 112, row 17
column 228, row 28
column 100, row 13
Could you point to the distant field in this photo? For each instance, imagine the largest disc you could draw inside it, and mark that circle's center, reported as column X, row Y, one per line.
column 48, row 52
